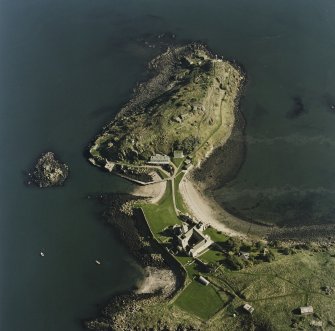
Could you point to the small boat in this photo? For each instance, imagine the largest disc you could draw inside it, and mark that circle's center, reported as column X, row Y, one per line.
column 97, row 262
column 42, row 254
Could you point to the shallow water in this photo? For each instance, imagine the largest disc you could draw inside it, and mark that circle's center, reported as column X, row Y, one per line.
column 67, row 66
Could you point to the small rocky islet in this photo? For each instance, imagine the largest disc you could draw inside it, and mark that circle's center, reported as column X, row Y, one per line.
column 48, row 171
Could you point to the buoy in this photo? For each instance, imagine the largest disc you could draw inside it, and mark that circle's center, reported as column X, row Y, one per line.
column 42, row 254
column 97, row 262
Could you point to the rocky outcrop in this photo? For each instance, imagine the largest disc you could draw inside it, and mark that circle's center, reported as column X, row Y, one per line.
column 48, row 171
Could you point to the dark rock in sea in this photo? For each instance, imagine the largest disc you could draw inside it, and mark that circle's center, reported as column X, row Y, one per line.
column 48, row 171
column 297, row 110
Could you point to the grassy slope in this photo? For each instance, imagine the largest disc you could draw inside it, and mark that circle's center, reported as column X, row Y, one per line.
column 274, row 289
column 179, row 199
column 197, row 93
column 162, row 215
column 200, row 300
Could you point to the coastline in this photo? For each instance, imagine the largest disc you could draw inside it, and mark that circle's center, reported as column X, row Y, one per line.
column 166, row 274
column 204, row 209
column 162, row 278
column 152, row 192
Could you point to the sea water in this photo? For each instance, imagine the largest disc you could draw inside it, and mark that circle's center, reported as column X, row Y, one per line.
column 66, row 68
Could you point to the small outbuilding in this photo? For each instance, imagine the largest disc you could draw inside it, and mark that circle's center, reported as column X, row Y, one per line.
column 203, row 280
column 248, row 308
column 177, row 154
column 244, row 255
column 306, row 310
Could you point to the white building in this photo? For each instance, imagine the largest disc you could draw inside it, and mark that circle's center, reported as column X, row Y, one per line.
column 306, row 310
column 159, row 159
column 248, row 308
column 203, row 280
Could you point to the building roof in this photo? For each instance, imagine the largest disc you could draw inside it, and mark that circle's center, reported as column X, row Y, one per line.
column 193, row 241
column 161, row 159
column 203, row 280
column 177, row 154
column 248, row 308
column 306, row 310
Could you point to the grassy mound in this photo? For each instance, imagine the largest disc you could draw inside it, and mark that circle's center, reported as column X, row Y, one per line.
column 188, row 105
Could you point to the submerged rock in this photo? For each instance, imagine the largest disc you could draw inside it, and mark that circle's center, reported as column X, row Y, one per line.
column 49, row 171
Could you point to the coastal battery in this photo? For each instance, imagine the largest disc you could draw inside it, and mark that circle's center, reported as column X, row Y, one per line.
column 188, row 104
column 49, row 171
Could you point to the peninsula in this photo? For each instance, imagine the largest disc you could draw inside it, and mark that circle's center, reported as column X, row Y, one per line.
column 198, row 274
column 187, row 106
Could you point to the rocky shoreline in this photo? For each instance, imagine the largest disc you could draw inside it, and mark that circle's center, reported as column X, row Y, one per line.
column 48, row 171
column 132, row 229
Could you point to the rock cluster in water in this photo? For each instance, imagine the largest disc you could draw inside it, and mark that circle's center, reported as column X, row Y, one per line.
column 49, row 171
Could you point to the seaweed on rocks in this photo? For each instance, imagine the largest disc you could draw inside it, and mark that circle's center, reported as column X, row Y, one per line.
column 139, row 174
column 130, row 226
column 225, row 162
column 48, row 171
column 134, row 232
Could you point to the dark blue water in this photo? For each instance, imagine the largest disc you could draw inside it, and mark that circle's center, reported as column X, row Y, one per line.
column 67, row 66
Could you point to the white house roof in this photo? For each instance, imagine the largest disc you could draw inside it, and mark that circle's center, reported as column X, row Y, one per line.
column 306, row 310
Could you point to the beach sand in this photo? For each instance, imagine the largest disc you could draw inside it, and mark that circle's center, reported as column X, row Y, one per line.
column 154, row 192
column 206, row 210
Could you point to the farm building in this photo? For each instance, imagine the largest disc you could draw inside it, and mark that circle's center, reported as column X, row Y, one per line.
column 248, row 308
column 159, row 159
column 178, row 154
column 306, row 310
column 203, row 280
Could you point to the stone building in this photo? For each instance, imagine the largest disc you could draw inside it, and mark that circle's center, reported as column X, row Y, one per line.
column 306, row 310
column 177, row 154
column 159, row 159
column 192, row 240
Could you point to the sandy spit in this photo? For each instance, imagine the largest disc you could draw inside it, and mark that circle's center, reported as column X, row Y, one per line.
column 205, row 210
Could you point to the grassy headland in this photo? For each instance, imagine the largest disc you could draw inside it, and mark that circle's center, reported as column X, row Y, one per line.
column 187, row 105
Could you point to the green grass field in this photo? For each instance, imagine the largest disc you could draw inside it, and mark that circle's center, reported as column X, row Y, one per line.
column 275, row 289
column 211, row 256
column 180, row 204
column 278, row 288
column 178, row 162
column 216, row 236
column 162, row 215
column 200, row 300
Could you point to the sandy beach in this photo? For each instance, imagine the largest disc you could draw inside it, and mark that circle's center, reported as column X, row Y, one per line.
column 154, row 192
column 206, row 210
